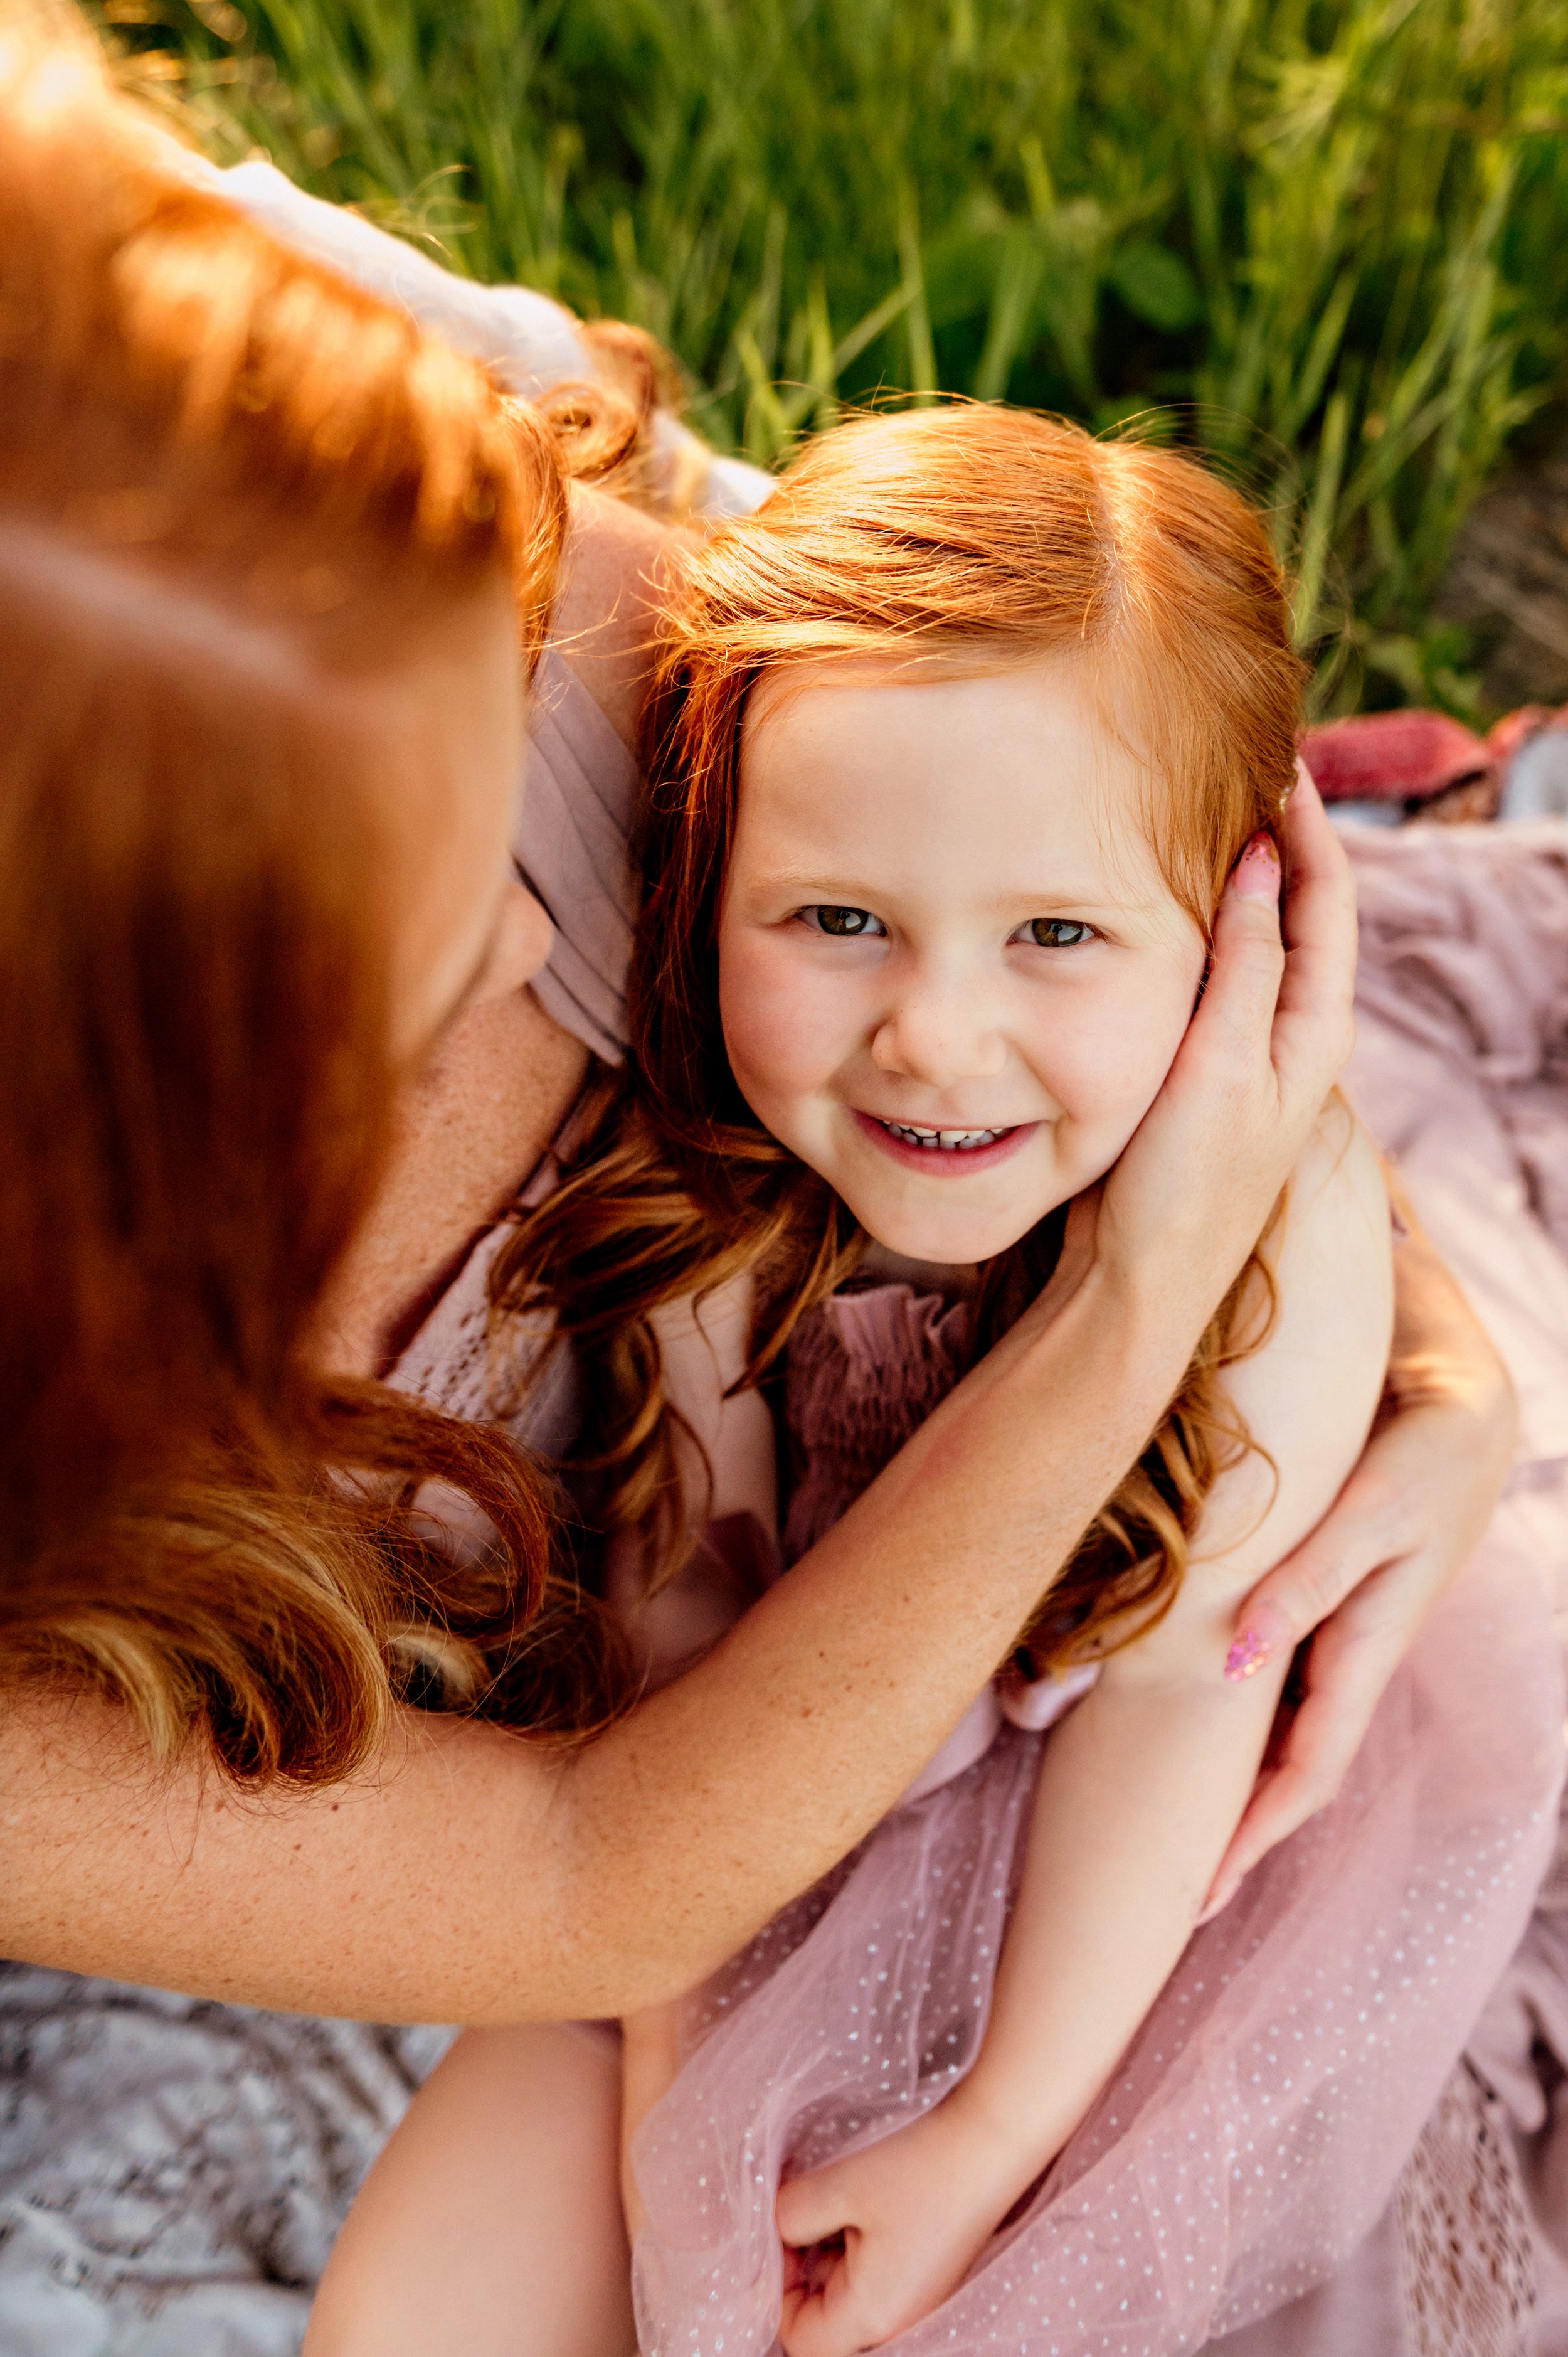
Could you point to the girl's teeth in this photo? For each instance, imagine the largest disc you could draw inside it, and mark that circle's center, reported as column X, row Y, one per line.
column 949, row 1141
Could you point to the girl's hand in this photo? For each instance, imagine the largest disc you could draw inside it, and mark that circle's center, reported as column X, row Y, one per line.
column 1189, row 1197
column 1401, row 1529
column 876, row 2243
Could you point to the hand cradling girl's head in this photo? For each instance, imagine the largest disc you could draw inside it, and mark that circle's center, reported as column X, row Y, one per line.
column 959, row 740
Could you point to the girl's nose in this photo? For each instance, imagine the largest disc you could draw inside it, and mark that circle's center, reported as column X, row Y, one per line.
column 934, row 1037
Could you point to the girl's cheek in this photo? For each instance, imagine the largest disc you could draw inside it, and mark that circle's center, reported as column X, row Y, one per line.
column 1105, row 1068
column 787, row 1025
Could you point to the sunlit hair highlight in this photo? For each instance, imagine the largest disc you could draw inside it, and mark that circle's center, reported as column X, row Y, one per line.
column 979, row 538
column 195, row 952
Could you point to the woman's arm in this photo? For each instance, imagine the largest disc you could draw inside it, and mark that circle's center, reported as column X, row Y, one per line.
column 476, row 1877
column 1140, row 1789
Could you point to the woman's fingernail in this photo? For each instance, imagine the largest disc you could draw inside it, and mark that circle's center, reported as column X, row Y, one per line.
column 1256, row 1642
column 1257, row 872
column 1218, row 1902
column 1248, row 1653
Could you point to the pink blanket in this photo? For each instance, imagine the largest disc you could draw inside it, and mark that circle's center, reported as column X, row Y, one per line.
column 1462, row 1069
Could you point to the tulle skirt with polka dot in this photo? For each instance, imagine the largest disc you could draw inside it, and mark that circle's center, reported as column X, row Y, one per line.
column 1255, row 2128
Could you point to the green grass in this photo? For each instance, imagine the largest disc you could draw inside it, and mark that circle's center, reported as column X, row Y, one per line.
column 1326, row 240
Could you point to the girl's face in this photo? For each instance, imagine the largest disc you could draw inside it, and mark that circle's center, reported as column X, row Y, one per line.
column 951, row 975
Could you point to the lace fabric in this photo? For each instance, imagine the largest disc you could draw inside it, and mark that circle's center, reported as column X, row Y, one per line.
column 1465, row 2247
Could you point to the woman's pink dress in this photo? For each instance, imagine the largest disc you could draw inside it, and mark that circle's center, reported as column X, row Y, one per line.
column 1258, row 2123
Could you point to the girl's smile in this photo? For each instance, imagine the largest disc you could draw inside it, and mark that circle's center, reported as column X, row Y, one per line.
column 951, row 973
column 943, row 1153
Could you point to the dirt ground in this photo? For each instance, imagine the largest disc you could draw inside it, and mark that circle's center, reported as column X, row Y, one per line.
column 1507, row 582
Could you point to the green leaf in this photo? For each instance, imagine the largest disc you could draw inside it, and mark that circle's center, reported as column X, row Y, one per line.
column 960, row 274
column 1156, row 285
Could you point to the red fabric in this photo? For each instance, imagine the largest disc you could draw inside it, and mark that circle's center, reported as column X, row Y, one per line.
column 1394, row 757
column 1517, row 728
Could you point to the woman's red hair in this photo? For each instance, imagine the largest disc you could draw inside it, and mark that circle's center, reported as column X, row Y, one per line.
column 969, row 536
column 195, row 1028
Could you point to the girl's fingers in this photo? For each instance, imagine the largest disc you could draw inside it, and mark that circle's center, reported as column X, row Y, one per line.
column 805, row 2211
column 821, row 2321
column 800, row 2324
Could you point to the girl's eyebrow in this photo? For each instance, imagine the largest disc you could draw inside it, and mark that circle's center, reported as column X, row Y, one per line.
column 1084, row 903
column 821, row 885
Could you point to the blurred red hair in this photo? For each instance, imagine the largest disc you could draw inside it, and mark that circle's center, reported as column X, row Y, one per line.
column 199, row 426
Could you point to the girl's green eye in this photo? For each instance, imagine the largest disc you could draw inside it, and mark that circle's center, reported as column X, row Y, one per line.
column 1058, row 933
column 843, row 923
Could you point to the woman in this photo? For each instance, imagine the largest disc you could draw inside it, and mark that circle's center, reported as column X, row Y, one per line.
column 262, row 543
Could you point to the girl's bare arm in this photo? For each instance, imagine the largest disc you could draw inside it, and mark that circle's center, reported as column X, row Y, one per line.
column 1143, row 1785
column 1407, row 1521
column 1139, row 1789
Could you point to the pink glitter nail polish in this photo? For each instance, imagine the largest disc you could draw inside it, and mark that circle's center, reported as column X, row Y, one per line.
column 1246, row 1655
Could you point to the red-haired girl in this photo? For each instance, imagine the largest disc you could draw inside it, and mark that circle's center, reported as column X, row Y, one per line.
column 954, row 747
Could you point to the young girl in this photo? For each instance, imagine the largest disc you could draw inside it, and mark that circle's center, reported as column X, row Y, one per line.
column 959, row 899
column 957, row 744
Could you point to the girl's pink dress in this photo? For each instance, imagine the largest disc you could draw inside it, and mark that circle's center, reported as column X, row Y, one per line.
column 1258, row 2123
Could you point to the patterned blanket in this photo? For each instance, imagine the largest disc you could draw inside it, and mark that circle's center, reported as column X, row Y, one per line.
column 173, row 2173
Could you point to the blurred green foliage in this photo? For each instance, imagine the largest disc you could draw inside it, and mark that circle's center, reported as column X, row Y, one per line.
column 1323, row 238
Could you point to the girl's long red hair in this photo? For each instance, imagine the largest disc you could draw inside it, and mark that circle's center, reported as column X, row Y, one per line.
column 974, row 536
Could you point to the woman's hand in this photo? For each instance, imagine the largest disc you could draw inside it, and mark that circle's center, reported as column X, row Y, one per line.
column 1189, row 1197
column 1401, row 1529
